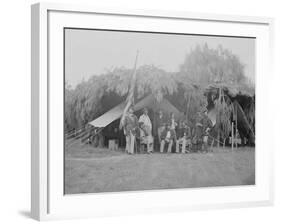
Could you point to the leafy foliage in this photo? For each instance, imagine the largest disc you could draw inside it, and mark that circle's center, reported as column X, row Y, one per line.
column 196, row 101
column 155, row 81
column 204, row 66
column 224, row 111
column 83, row 103
column 201, row 67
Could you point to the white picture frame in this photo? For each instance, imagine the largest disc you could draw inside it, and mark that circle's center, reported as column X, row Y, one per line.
column 48, row 201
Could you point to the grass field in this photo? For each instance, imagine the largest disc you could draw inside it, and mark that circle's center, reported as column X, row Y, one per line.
column 91, row 170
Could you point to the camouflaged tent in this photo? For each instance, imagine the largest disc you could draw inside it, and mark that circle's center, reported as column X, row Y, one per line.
column 242, row 98
column 148, row 102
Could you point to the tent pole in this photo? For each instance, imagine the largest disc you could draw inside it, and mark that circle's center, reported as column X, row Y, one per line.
column 219, row 131
column 154, row 128
column 218, row 139
column 236, row 129
column 232, row 134
column 187, row 111
column 130, row 96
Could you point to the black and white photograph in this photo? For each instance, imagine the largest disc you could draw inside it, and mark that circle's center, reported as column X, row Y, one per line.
column 154, row 111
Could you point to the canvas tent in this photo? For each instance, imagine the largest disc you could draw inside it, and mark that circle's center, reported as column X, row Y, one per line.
column 148, row 101
column 109, row 116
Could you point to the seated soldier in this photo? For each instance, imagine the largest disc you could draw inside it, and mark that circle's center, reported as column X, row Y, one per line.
column 184, row 135
column 168, row 137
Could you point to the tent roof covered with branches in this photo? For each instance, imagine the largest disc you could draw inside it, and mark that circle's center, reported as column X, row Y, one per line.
column 148, row 101
column 239, row 100
column 231, row 89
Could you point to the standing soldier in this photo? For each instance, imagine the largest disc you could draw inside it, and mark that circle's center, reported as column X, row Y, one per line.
column 197, row 139
column 207, row 125
column 160, row 125
column 130, row 125
column 145, row 120
column 146, row 126
column 173, row 125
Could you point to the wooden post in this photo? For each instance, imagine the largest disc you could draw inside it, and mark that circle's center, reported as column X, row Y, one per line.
column 220, row 96
column 218, row 139
column 232, row 135
column 188, row 105
column 236, row 127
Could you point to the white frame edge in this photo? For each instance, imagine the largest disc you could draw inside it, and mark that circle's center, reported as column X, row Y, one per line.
column 39, row 121
column 39, row 88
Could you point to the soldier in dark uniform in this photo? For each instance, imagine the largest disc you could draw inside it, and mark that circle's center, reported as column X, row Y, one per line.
column 160, row 124
column 197, row 139
column 173, row 125
column 207, row 125
column 130, row 125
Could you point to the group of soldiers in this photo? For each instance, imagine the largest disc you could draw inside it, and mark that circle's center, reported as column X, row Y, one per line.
column 168, row 132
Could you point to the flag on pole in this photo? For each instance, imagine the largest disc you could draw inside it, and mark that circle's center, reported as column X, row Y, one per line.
column 130, row 98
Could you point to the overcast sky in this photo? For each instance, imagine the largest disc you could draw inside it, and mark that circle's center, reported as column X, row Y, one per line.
column 91, row 52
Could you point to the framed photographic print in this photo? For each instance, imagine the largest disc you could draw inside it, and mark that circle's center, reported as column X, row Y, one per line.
column 138, row 111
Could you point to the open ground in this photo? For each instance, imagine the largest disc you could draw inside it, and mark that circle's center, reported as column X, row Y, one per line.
column 93, row 170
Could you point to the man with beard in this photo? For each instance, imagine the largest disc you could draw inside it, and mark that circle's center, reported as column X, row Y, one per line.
column 130, row 125
column 146, row 126
column 167, row 137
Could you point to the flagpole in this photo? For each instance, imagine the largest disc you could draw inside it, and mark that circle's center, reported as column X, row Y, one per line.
column 130, row 97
